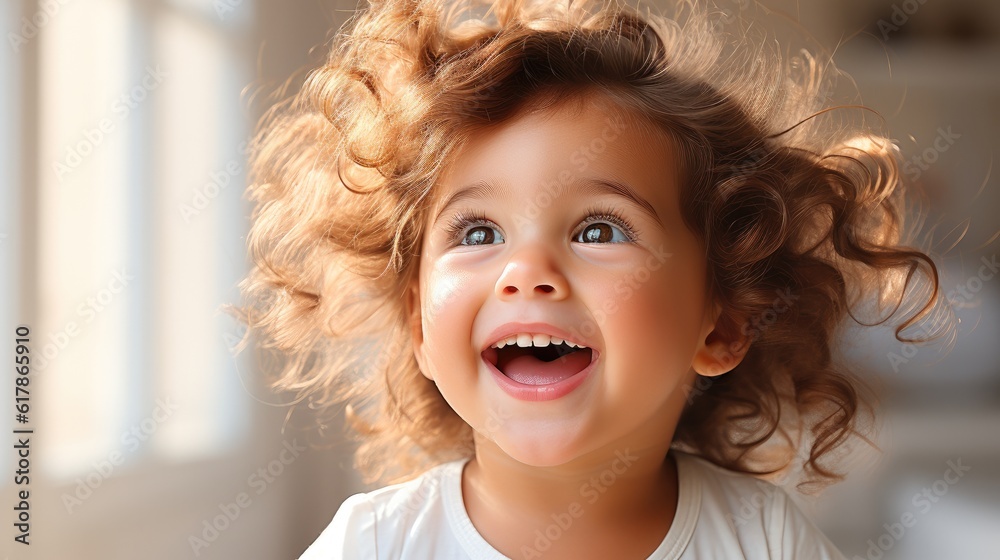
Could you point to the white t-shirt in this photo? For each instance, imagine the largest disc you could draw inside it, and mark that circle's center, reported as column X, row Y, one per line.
column 720, row 514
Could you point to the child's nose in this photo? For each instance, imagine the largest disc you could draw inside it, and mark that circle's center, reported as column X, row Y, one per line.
column 531, row 274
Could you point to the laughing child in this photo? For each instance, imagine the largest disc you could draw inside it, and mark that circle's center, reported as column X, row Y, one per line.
column 575, row 271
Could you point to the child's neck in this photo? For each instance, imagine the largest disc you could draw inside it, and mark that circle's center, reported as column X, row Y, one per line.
column 621, row 501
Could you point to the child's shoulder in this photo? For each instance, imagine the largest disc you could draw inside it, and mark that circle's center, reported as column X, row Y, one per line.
column 736, row 497
column 413, row 495
column 739, row 512
column 724, row 479
column 384, row 519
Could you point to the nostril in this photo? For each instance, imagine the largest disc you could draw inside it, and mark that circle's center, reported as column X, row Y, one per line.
column 543, row 288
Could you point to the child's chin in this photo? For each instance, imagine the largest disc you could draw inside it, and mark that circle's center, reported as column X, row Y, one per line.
column 539, row 442
column 541, row 451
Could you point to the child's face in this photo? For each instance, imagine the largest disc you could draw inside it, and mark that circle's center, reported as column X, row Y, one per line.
column 640, row 306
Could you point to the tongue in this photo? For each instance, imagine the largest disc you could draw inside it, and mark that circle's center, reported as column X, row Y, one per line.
column 529, row 370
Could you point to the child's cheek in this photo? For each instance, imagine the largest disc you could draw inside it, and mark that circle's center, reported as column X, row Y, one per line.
column 444, row 286
column 656, row 318
column 449, row 307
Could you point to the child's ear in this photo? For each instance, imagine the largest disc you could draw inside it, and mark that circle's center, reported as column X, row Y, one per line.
column 416, row 327
column 715, row 355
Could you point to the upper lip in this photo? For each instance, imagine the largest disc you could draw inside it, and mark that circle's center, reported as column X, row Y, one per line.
column 508, row 329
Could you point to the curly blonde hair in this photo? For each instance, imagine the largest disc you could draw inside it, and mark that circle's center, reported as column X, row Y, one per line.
column 787, row 200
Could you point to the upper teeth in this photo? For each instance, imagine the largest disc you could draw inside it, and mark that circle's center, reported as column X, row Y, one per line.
column 525, row 340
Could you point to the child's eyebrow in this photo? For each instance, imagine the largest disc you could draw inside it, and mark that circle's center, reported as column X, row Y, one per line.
column 486, row 189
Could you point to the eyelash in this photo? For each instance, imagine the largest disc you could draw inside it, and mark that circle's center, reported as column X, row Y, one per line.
column 463, row 219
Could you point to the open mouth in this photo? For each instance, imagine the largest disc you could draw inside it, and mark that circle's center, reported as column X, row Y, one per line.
column 539, row 365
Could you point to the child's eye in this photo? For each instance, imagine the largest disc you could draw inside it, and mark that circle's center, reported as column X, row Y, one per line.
column 482, row 232
column 602, row 225
column 605, row 225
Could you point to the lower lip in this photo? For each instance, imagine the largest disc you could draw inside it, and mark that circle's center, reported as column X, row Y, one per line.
column 548, row 392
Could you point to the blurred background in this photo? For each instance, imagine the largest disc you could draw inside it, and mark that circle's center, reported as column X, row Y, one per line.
column 123, row 126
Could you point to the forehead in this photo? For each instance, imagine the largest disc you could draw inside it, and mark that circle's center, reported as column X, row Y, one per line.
column 566, row 145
